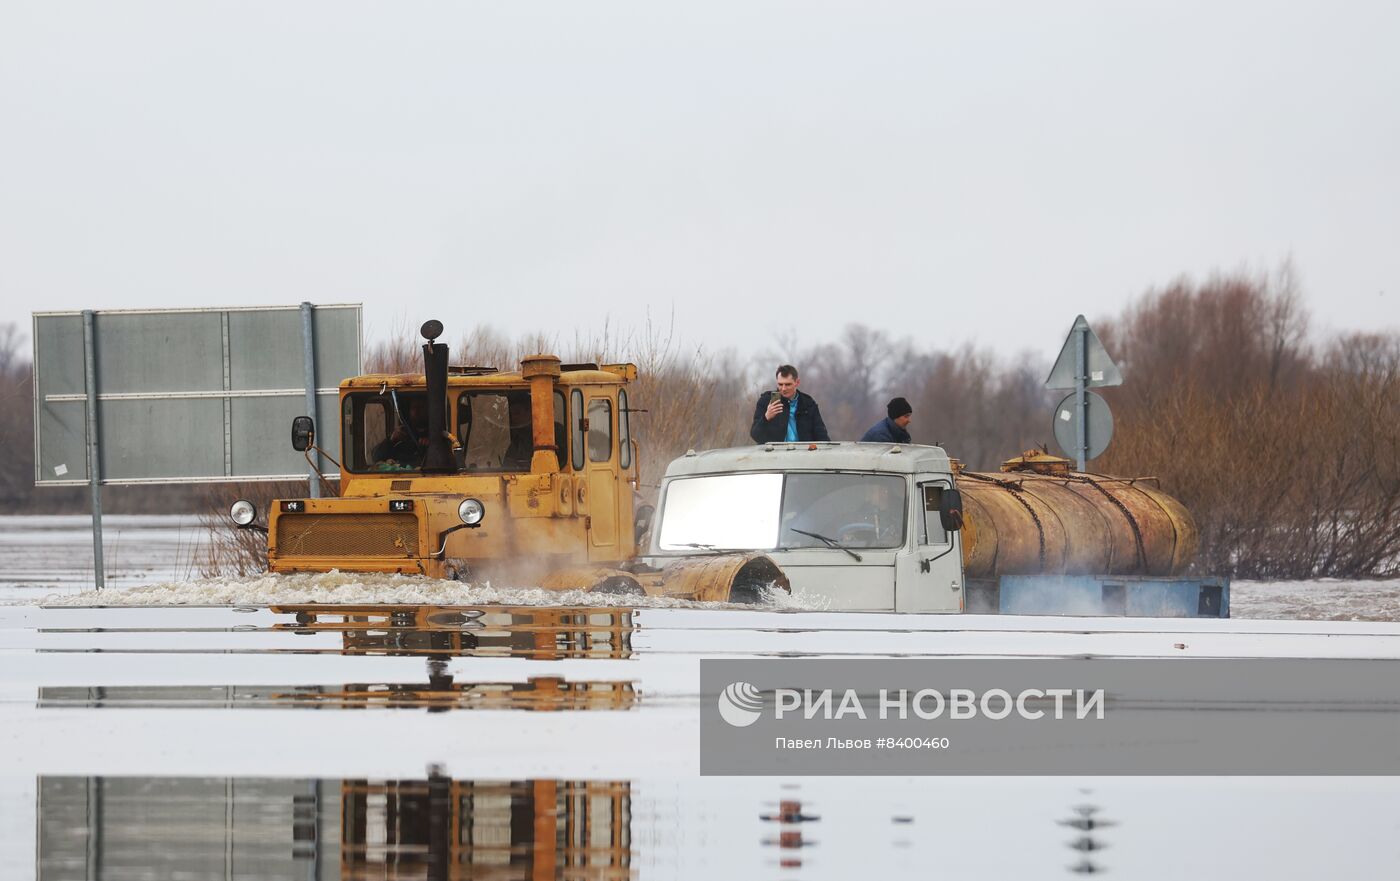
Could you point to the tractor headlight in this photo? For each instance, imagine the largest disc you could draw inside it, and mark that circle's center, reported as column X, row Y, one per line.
column 243, row 512
column 471, row 511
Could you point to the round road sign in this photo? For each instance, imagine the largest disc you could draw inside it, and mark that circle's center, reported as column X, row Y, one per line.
column 1067, row 425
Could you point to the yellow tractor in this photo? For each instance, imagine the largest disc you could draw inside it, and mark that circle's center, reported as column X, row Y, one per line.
column 523, row 478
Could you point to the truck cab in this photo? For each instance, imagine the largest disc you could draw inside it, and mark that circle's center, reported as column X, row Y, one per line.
column 862, row 526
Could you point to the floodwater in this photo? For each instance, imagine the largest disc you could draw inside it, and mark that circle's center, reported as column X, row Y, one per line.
column 500, row 740
column 52, row 554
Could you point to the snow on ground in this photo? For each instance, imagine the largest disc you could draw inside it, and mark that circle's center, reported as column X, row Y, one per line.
column 1323, row 599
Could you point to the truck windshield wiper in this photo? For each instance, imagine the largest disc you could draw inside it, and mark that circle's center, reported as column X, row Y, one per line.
column 699, row 547
column 830, row 542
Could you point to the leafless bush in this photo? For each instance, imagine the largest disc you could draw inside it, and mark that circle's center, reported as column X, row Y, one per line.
column 686, row 398
column 1288, row 456
column 16, row 419
column 979, row 408
column 229, row 551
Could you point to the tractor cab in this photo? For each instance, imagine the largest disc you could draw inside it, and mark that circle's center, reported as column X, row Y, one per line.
column 468, row 471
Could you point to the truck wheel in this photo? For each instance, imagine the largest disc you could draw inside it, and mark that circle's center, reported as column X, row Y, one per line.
column 749, row 594
column 618, row 585
column 755, row 579
column 454, row 572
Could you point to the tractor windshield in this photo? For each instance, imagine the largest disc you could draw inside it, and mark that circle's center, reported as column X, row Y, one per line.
column 384, row 432
column 495, row 431
column 782, row 512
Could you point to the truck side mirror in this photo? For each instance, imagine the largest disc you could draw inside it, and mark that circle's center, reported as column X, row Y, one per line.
column 303, row 433
column 950, row 510
column 644, row 516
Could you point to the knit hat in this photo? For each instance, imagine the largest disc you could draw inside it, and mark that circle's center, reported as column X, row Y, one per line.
column 898, row 407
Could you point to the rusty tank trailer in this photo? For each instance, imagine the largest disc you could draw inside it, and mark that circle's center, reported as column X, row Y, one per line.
column 1038, row 517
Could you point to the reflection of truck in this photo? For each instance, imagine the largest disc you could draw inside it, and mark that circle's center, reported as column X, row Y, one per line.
column 527, row 477
column 880, row 526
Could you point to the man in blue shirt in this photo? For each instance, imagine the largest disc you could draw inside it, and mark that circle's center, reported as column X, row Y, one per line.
column 787, row 414
column 894, row 428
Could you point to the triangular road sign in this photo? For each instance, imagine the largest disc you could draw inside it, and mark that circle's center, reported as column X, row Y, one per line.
column 1102, row 370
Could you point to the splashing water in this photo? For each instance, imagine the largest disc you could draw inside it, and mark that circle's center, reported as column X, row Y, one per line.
column 355, row 588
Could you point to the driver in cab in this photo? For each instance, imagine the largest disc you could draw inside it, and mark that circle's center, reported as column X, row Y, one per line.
column 878, row 522
column 407, row 443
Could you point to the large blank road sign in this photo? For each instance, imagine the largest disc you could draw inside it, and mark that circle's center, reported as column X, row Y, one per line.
column 186, row 395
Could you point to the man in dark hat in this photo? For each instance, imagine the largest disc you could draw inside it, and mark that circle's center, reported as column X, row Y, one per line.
column 894, row 428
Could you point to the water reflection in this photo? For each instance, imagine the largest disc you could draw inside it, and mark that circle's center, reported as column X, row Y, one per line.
column 436, row 633
column 434, row 828
column 1090, row 840
column 789, row 818
column 548, row 633
column 440, row 692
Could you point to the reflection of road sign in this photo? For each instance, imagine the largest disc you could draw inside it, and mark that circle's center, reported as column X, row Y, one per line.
column 1101, row 371
column 1100, row 425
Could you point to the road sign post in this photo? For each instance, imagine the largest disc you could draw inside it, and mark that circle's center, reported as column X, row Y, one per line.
column 94, row 453
column 1081, row 396
column 1083, row 423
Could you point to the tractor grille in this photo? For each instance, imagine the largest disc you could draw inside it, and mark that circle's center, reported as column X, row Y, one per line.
column 347, row 535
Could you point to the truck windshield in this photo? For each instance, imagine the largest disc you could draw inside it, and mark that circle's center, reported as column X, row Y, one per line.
column 762, row 511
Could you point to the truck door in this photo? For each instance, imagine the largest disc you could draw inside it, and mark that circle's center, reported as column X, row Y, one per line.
column 928, row 576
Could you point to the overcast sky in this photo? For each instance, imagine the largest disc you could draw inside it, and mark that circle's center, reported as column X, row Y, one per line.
column 951, row 172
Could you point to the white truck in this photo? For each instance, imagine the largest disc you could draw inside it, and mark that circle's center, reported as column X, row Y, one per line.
column 881, row 527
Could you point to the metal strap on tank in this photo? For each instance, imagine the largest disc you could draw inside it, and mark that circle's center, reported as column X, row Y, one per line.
column 1016, row 490
column 1132, row 521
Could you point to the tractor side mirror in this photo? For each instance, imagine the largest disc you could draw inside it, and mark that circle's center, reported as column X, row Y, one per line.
column 303, row 433
column 643, row 524
column 950, row 510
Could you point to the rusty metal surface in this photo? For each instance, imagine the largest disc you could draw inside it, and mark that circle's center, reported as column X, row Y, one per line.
column 541, row 371
column 721, row 578
column 1045, row 519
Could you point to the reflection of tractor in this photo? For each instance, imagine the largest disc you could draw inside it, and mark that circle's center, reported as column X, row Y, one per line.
column 444, row 830
column 439, row 633
column 541, row 632
column 471, row 473
column 434, row 633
